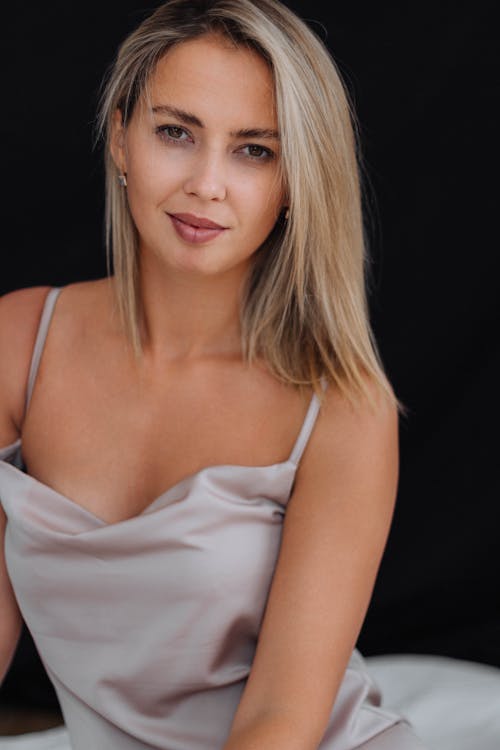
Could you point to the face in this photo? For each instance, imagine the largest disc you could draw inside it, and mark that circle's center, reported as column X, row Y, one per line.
column 190, row 162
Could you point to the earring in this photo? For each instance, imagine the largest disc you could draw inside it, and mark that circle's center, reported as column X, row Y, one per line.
column 287, row 213
column 122, row 179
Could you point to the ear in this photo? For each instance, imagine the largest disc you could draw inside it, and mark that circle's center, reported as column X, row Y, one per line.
column 117, row 142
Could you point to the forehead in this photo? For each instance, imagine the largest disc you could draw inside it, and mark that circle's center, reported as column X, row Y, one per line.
column 213, row 78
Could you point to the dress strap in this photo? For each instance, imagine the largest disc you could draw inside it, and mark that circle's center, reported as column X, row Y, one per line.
column 43, row 328
column 307, row 426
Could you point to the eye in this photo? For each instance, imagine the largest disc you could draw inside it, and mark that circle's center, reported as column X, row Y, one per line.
column 172, row 133
column 259, row 153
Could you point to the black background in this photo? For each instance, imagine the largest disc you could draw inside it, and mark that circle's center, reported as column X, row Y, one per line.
column 423, row 78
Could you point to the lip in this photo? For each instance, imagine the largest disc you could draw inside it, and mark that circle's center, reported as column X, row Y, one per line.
column 194, row 235
column 197, row 221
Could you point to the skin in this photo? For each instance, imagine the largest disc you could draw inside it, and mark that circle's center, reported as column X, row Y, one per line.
column 174, row 167
column 191, row 395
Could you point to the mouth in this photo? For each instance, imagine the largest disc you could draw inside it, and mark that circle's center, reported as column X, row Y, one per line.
column 199, row 222
column 195, row 234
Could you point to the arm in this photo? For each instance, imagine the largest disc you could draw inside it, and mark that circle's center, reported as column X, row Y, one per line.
column 19, row 315
column 334, row 533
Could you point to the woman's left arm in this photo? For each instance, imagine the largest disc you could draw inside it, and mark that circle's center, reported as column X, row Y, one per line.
column 334, row 534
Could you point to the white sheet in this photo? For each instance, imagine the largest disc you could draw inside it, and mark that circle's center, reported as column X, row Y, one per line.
column 51, row 739
column 452, row 704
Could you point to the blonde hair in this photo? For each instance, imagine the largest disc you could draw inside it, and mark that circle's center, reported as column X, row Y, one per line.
column 304, row 308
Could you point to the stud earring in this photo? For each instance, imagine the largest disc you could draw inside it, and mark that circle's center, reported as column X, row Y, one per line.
column 287, row 213
column 122, row 179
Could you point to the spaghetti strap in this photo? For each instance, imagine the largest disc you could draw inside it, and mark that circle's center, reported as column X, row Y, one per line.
column 307, row 426
column 43, row 328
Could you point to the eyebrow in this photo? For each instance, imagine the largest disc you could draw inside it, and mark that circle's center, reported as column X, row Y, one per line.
column 189, row 119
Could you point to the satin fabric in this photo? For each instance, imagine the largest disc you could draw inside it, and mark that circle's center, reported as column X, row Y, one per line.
column 147, row 627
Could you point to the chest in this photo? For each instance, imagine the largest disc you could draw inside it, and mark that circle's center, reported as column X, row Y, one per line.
column 115, row 444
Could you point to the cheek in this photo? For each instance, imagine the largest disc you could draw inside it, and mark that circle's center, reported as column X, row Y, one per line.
column 148, row 191
column 145, row 175
column 150, row 174
column 260, row 199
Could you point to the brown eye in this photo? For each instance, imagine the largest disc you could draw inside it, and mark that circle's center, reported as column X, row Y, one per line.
column 172, row 133
column 259, row 153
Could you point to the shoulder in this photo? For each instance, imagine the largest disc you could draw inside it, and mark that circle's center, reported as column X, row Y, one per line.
column 79, row 306
column 353, row 449
column 20, row 313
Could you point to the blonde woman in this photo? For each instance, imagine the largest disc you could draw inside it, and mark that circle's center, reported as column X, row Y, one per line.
column 201, row 449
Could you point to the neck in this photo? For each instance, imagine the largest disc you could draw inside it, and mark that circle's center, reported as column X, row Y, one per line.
column 188, row 316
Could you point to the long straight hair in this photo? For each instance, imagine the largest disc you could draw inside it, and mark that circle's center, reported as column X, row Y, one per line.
column 304, row 306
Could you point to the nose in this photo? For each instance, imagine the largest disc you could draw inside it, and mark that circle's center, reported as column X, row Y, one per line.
column 207, row 177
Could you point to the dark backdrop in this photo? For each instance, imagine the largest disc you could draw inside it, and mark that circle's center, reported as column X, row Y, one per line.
column 423, row 78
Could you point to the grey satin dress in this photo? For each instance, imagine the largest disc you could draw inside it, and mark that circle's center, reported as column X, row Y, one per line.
column 147, row 627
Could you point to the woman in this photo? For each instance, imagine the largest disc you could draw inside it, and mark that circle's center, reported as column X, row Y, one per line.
column 221, row 612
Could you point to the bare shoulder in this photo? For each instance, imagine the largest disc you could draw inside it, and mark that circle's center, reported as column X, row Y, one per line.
column 353, row 445
column 83, row 307
column 20, row 313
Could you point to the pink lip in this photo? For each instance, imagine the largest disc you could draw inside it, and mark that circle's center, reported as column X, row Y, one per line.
column 194, row 234
column 197, row 221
